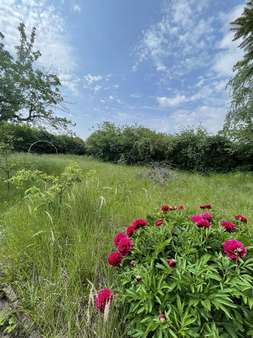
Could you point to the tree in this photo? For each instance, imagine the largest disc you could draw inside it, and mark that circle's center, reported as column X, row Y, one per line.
column 28, row 94
column 239, row 120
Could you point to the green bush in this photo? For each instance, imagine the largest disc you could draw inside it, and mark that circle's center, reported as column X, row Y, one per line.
column 188, row 150
column 47, row 143
column 176, row 281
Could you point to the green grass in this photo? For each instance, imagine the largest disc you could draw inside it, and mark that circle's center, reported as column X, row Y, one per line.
column 54, row 257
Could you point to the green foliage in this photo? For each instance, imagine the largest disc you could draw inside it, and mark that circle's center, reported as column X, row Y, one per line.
column 7, row 164
column 239, row 120
column 40, row 140
column 41, row 189
column 204, row 295
column 28, row 94
column 53, row 256
column 8, row 321
column 188, row 150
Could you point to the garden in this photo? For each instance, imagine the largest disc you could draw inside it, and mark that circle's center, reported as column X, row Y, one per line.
column 132, row 232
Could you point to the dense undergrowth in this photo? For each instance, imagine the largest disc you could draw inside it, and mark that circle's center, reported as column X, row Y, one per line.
column 55, row 256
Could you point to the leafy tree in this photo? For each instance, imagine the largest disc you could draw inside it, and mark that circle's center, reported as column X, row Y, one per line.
column 27, row 94
column 240, row 118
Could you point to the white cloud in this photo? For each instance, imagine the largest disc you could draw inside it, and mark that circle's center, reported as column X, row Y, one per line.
column 230, row 52
column 91, row 79
column 165, row 102
column 96, row 82
column 179, row 42
column 77, row 8
column 52, row 38
column 208, row 117
column 183, row 41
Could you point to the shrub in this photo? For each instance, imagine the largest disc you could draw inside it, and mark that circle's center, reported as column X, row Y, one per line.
column 104, row 143
column 24, row 136
column 187, row 275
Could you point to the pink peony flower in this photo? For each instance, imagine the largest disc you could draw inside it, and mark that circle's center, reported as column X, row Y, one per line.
column 125, row 245
column 172, row 263
column 131, row 229
column 205, row 206
column 228, row 226
column 114, row 258
column 201, row 222
column 234, row 249
column 241, row 218
column 139, row 222
column 118, row 237
column 165, row 207
column 159, row 222
column 196, row 218
column 207, row 215
column 103, row 297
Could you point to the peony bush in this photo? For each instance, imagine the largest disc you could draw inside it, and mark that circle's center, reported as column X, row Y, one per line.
column 179, row 273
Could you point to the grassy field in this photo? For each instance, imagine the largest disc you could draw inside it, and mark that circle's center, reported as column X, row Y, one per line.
column 53, row 258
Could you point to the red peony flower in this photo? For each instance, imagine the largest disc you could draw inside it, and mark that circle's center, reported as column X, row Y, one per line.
column 103, row 297
column 207, row 215
column 165, row 207
column 172, row 263
column 139, row 223
column 125, row 245
column 118, row 237
column 201, row 222
column 205, row 206
column 131, row 230
column 228, row 226
column 159, row 222
column 234, row 249
column 114, row 258
column 241, row 218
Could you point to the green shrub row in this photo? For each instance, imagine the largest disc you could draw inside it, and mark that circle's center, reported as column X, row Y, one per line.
column 188, row 150
column 40, row 140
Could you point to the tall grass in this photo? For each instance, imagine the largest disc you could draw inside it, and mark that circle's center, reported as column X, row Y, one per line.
column 56, row 257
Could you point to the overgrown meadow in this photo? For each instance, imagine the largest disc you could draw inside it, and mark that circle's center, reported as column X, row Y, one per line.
column 59, row 216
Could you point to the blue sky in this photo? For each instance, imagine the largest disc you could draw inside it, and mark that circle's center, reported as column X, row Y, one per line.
column 163, row 64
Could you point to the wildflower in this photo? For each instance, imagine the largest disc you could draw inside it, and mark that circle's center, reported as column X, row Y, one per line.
column 181, row 207
column 228, row 226
column 139, row 222
column 162, row 317
column 205, row 206
column 125, row 245
column 234, row 249
column 172, row 263
column 103, row 298
column 241, row 218
column 118, row 237
column 159, row 222
column 165, row 207
column 114, row 258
